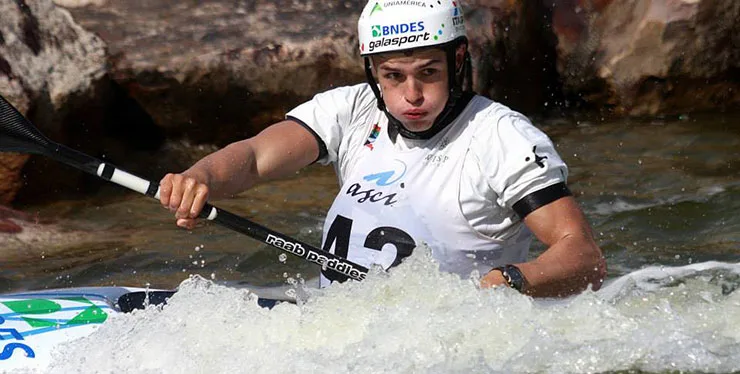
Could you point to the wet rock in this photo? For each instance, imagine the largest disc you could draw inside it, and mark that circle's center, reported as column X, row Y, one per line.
column 9, row 227
column 9, row 216
column 649, row 57
column 27, row 238
column 34, row 241
column 78, row 3
column 50, row 69
column 51, row 238
column 11, row 165
column 224, row 69
column 46, row 53
column 513, row 54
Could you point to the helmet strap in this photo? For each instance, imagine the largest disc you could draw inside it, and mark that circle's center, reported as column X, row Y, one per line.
column 374, row 85
column 395, row 124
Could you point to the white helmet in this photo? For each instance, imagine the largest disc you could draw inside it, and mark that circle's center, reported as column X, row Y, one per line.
column 400, row 25
column 397, row 25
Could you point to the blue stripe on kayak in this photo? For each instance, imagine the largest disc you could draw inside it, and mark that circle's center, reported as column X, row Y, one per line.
column 43, row 330
column 54, row 295
column 15, row 315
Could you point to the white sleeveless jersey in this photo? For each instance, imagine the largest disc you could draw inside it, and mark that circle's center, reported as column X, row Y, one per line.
column 453, row 192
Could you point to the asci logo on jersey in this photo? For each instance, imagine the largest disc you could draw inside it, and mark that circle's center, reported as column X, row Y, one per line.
column 382, row 179
column 387, row 178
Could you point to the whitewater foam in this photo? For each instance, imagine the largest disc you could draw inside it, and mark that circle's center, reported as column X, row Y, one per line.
column 416, row 319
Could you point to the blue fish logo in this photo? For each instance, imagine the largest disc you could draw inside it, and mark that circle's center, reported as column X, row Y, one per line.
column 387, row 178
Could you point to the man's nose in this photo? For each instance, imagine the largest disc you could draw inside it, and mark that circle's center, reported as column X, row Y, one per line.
column 413, row 93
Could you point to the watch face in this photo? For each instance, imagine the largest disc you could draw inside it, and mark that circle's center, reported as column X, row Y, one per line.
column 514, row 277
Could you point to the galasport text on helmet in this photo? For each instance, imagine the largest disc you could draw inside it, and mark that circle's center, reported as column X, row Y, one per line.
column 394, row 26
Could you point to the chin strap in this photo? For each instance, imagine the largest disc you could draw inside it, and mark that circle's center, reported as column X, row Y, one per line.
column 451, row 111
column 461, row 92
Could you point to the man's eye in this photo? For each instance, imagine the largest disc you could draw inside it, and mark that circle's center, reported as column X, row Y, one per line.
column 429, row 72
column 393, row 76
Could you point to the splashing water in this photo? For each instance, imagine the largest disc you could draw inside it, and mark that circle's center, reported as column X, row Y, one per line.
column 416, row 319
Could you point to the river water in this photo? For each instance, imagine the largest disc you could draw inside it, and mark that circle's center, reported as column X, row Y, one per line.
column 662, row 196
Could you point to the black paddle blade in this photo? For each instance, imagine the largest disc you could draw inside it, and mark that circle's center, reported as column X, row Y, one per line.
column 17, row 134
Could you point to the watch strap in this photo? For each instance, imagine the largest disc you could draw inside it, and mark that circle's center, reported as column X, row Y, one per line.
column 513, row 276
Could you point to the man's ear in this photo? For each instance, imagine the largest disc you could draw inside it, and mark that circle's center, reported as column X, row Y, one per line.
column 460, row 56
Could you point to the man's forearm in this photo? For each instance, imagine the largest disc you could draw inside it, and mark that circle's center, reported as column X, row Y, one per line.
column 227, row 171
column 566, row 268
column 277, row 151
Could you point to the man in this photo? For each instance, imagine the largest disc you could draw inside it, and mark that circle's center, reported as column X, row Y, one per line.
column 420, row 159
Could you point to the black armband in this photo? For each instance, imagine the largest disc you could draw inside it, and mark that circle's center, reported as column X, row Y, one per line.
column 538, row 199
column 322, row 146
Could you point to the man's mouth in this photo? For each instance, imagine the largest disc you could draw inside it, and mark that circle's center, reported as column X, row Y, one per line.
column 414, row 114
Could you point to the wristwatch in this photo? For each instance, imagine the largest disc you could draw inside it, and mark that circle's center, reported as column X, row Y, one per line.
column 513, row 276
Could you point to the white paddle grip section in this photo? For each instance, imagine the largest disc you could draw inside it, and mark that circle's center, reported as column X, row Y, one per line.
column 127, row 180
column 212, row 215
column 139, row 185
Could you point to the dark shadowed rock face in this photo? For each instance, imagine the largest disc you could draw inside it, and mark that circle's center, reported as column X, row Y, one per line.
column 222, row 70
column 649, row 57
column 11, row 165
column 513, row 53
column 48, row 67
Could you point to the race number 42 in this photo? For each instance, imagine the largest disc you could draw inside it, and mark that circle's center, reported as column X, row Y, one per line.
column 338, row 237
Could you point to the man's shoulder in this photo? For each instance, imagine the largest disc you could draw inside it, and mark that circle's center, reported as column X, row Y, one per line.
column 355, row 100
column 350, row 92
column 491, row 117
column 503, row 132
column 491, row 108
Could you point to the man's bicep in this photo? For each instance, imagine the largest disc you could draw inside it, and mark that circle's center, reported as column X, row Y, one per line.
column 284, row 148
column 328, row 116
column 557, row 219
column 323, row 150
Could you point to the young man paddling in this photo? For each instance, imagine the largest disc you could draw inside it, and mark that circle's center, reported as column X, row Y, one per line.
column 420, row 159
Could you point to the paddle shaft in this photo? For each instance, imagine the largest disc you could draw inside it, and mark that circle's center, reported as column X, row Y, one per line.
column 19, row 135
column 227, row 219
